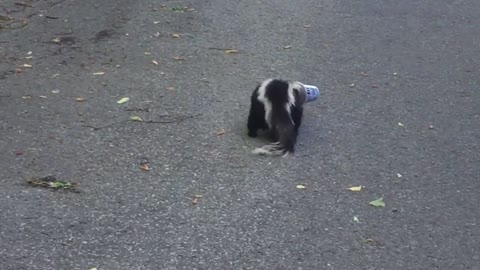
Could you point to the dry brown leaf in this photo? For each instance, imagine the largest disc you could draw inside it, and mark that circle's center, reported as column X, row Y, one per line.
column 144, row 167
column 196, row 199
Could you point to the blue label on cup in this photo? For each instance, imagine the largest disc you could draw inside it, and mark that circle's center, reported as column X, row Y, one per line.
column 312, row 92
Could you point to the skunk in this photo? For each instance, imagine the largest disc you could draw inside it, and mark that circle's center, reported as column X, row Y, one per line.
column 276, row 107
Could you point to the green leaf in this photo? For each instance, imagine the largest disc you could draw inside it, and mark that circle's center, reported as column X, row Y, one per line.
column 59, row 184
column 378, row 202
column 123, row 100
column 136, row 118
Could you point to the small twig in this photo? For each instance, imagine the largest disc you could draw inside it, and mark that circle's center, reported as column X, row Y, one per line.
column 102, row 127
column 220, row 49
column 22, row 4
column 137, row 109
column 173, row 120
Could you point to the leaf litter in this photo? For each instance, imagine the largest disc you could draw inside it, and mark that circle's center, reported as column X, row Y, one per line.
column 136, row 118
column 52, row 182
column 355, row 189
column 196, row 199
column 378, row 202
column 123, row 100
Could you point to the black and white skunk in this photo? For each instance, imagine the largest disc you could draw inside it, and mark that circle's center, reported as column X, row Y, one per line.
column 276, row 106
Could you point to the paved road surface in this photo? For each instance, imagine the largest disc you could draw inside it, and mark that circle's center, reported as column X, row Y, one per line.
column 378, row 64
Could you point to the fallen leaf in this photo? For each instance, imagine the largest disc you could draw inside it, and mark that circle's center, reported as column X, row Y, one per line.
column 231, row 51
column 155, row 62
column 29, row 53
column 42, row 96
column 364, row 74
column 51, row 182
column 179, row 58
column 370, row 241
column 136, row 118
column 27, row 65
column 400, row 124
column 175, row 35
column 28, row 57
column 287, row 47
column 196, row 199
column 80, row 99
column 378, row 202
column 355, row 219
column 56, row 40
column 99, row 73
column 55, row 91
column 144, row 167
column 307, row 25
column 221, row 132
column 27, row 97
column 357, row 188
column 123, row 100
column 301, row 187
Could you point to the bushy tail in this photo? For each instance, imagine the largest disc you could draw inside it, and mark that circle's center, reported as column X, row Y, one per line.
column 283, row 130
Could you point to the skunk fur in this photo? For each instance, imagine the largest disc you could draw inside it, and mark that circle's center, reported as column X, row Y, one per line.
column 275, row 107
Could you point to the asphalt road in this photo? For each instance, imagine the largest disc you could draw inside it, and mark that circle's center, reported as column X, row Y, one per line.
column 399, row 114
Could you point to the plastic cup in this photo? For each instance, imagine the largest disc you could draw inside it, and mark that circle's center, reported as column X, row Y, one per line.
column 312, row 92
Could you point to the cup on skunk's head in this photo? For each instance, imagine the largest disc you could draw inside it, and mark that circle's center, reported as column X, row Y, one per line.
column 310, row 92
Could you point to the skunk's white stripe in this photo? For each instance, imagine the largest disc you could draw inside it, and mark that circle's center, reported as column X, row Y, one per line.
column 291, row 97
column 267, row 103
